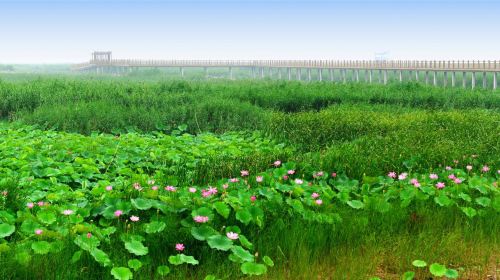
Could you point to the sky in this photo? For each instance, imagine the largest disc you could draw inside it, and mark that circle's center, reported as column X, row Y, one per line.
column 68, row 31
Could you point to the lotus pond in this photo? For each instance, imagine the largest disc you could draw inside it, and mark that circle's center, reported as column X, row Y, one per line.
column 231, row 206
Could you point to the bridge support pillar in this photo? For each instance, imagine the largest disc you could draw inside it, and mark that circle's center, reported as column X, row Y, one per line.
column 253, row 72
column 289, row 72
column 434, row 78
column 231, row 73
column 181, row 70
column 309, row 74
column 320, row 74
column 411, row 74
column 495, row 82
column 299, row 74
column 453, row 79
column 262, row 72
column 330, row 73
column 357, row 75
column 344, row 78
column 370, row 76
column 279, row 73
column 417, row 76
column 464, row 79
column 445, row 79
column 400, row 76
column 206, row 72
column 473, row 83
column 426, row 77
column 385, row 77
column 380, row 76
column 485, row 81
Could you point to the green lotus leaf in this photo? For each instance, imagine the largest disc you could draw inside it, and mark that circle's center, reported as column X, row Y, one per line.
column 100, row 256
column 41, row 247
column 182, row 259
column 244, row 216
column 163, row 270
column 6, row 230
column 121, row 273
column 219, row 242
column 409, row 275
column 203, row 232
column 46, row 216
column 356, row 204
column 268, row 261
column 243, row 254
column 451, row 273
column 222, row 208
column 142, row 203
column 419, row 263
column 154, row 227
column 136, row 247
column 250, row 268
column 437, row 269
column 135, row 264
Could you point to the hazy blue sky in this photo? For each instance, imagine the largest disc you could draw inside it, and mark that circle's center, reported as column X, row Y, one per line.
column 68, row 31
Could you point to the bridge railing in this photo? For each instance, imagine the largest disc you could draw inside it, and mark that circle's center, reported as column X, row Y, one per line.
column 469, row 65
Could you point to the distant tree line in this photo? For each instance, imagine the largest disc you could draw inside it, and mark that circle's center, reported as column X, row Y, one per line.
column 8, row 68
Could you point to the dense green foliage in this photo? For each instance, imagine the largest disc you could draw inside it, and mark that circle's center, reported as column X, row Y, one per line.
column 106, row 203
column 113, row 178
column 334, row 126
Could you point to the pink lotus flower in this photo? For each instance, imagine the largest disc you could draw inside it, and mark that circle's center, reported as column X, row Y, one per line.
column 416, row 185
column 154, row 188
column 200, row 219
column 179, row 247
column 234, row 180
column 299, row 181
column 40, row 203
column 402, row 176
column 392, row 174
column 244, row 173
column 448, row 168
column 137, row 186
column 413, row 181
column 440, row 185
column 118, row 213
column 277, row 163
column 232, row 235
column 457, row 181
column 334, row 174
column 452, row 177
column 485, row 168
column 170, row 188
column 433, row 176
column 318, row 174
column 38, row 231
column 30, row 205
column 318, row 201
column 89, row 235
column 314, row 195
column 5, row 193
column 134, row 218
column 253, row 198
column 469, row 167
column 285, row 177
column 109, row 188
column 67, row 212
column 259, row 179
column 225, row 186
column 290, row 172
column 192, row 190
column 151, row 182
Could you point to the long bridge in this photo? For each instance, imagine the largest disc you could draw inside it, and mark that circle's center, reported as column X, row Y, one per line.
column 383, row 71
